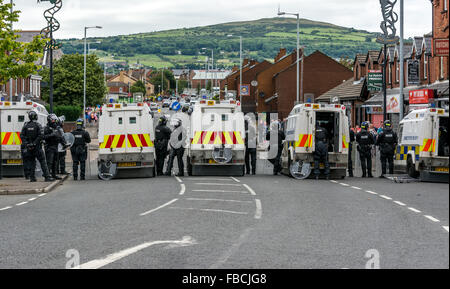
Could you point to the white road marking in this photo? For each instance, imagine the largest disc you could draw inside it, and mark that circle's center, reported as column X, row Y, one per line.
column 334, row 181
column 160, row 207
column 32, row 199
column 5, row 208
column 208, row 179
column 216, row 184
column 98, row 263
column 399, row 203
column 345, row 185
column 258, row 213
column 183, row 189
column 236, row 180
column 386, row 197
column 250, row 190
column 371, row 192
column 445, row 228
column 414, row 210
column 210, row 210
column 220, row 191
column 20, row 204
column 233, row 249
column 41, row 195
column 178, row 179
column 218, row 200
column 356, row 188
column 432, row 219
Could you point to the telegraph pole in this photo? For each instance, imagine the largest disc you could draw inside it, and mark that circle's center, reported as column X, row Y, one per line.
column 402, row 71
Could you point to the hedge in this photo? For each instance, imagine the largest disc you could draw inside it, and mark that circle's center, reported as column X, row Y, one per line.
column 72, row 113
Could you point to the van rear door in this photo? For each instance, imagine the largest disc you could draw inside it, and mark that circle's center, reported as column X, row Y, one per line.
column 112, row 132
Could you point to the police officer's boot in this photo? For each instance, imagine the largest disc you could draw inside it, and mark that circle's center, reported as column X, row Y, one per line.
column 49, row 179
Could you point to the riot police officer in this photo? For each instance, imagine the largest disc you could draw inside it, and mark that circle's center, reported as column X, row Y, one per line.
column 250, row 146
column 350, row 150
column 365, row 141
column 387, row 141
column 321, row 151
column 32, row 136
column 25, row 159
column 52, row 137
column 61, row 152
column 162, row 137
column 177, row 143
column 277, row 146
column 79, row 150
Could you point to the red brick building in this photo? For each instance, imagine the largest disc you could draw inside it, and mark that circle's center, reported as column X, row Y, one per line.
column 321, row 73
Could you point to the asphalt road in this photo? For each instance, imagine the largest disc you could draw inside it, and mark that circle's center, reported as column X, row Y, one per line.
column 258, row 221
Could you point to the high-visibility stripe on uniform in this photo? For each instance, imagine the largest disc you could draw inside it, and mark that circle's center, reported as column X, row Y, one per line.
column 11, row 138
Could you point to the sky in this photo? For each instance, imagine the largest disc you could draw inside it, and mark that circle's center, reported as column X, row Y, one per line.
column 136, row 16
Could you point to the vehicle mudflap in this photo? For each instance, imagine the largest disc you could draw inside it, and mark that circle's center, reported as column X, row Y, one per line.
column 135, row 173
column 13, row 171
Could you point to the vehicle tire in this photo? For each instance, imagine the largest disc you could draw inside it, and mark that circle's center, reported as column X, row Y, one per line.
column 411, row 169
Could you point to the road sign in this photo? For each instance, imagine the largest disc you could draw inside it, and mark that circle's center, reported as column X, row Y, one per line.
column 176, row 106
column 441, row 47
column 375, row 80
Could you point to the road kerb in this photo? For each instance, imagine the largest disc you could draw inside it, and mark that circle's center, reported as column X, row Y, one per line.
column 47, row 189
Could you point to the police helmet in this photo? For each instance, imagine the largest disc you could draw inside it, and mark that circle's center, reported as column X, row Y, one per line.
column 365, row 125
column 52, row 118
column 185, row 108
column 32, row 115
column 163, row 120
column 387, row 124
column 80, row 123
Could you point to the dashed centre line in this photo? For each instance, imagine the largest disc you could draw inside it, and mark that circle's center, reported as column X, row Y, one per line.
column 356, row 188
column 21, row 204
column 399, row 203
column 5, row 208
column 386, row 197
column 445, row 228
column 414, row 210
column 371, row 192
column 432, row 219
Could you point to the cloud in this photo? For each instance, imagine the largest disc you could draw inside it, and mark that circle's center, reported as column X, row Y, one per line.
column 135, row 16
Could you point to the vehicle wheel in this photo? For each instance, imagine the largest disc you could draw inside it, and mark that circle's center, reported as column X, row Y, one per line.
column 189, row 166
column 411, row 169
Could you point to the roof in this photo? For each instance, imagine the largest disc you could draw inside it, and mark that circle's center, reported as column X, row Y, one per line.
column 407, row 51
column 26, row 36
column 348, row 90
column 427, row 40
column 361, row 58
column 178, row 72
column 418, row 44
column 373, row 54
column 211, row 74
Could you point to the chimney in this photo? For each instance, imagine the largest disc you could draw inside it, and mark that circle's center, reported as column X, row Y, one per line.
column 280, row 54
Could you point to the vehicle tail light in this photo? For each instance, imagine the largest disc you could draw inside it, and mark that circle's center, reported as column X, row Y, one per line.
column 202, row 101
column 308, row 105
column 110, row 105
column 140, row 104
column 29, row 103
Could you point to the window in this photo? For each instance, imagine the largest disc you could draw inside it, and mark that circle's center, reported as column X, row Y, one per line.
column 9, row 118
column 397, row 73
column 445, row 5
column 21, row 118
column 133, row 120
column 224, row 117
column 390, row 74
column 120, row 89
column 120, row 120
column 425, row 67
column 442, row 67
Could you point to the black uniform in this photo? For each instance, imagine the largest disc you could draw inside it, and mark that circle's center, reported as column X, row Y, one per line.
column 387, row 140
column 250, row 150
column 25, row 159
column 79, row 152
column 279, row 146
column 350, row 150
column 321, row 151
column 162, row 137
column 365, row 141
column 32, row 136
column 52, row 137
column 62, row 157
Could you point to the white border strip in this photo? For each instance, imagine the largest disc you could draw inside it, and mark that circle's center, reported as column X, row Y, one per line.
column 160, row 207
column 258, row 213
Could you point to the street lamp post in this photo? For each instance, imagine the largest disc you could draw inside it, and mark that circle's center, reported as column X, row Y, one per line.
column 11, row 80
column 298, row 54
column 84, row 73
column 240, row 64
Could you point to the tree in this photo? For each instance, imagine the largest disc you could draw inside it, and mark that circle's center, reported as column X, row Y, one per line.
column 68, row 81
column 17, row 60
column 169, row 79
column 344, row 60
column 139, row 86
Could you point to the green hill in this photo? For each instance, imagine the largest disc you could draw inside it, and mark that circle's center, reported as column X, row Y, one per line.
column 262, row 39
